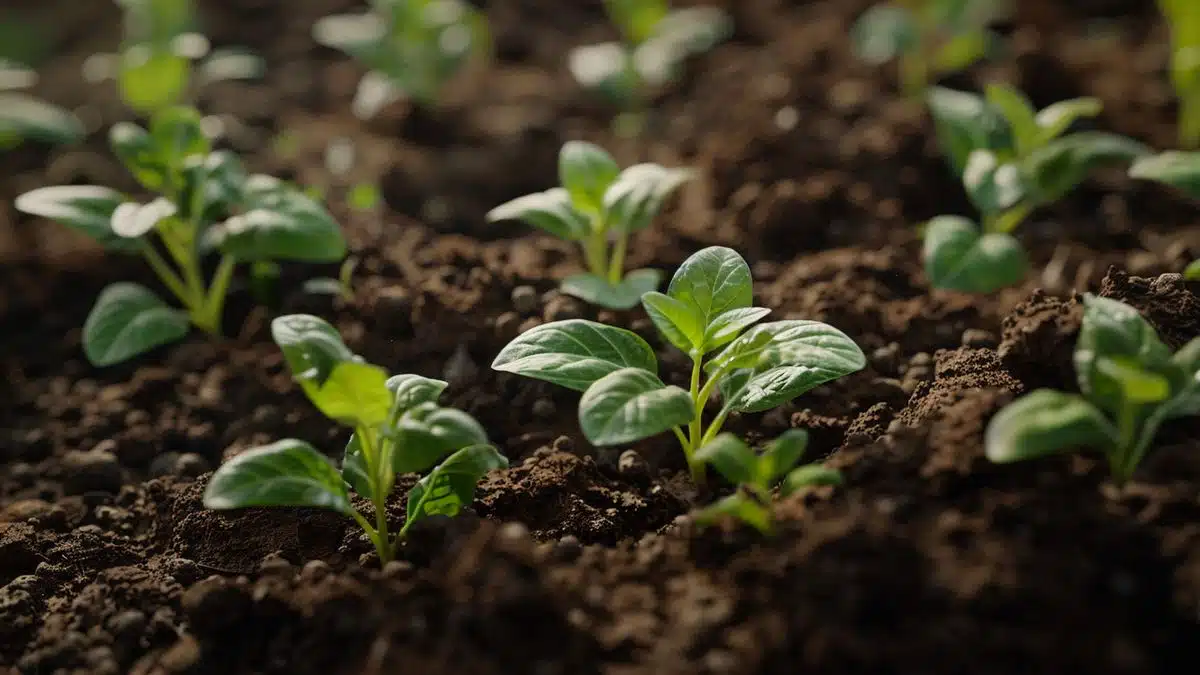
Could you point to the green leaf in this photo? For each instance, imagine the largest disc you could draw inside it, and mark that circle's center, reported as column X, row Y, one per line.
column 1180, row 170
column 960, row 258
column 551, row 211
column 883, row 33
column 732, row 458
column 738, row 506
column 284, row 473
column 177, row 135
column 631, row 404
column 586, row 171
column 1111, row 331
column 744, row 352
column 962, row 50
column 128, row 320
column 713, row 281
column 85, row 208
column 776, row 386
column 137, row 151
column 280, row 223
column 451, row 486
column 726, row 326
column 809, row 476
column 421, row 442
column 132, row 220
column 638, row 193
column 781, row 456
column 1054, row 169
column 26, row 118
column 1018, row 112
column 355, row 471
column 354, row 394
column 676, row 320
column 625, row 295
column 605, row 69
column 310, row 346
column 574, row 353
column 732, row 383
column 152, row 79
column 637, row 19
column 992, row 186
column 409, row 391
column 966, row 123
column 1046, row 422
column 1056, row 118
column 219, row 177
column 1192, row 273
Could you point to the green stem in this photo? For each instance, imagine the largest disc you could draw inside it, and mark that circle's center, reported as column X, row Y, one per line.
column 616, row 266
column 208, row 317
column 715, row 427
column 371, row 457
column 1123, row 461
column 1007, row 221
column 694, row 427
column 595, row 253
column 164, row 271
column 1189, row 120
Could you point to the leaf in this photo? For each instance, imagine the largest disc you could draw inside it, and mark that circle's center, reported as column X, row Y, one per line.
column 1192, row 273
column 965, row 123
column 732, row 383
column 128, row 320
column 883, row 33
column 992, row 186
column 220, row 177
column 85, row 208
column 636, row 196
column 420, row 443
column 728, row 325
column 776, row 386
column 629, row 405
column 551, row 211
column 451, row 486
column 1113, row 330
column 1056, row 118
column 586, row 171
column 637, row 19
column 26, row 118
column 1054, row 169
column 355, row 394
column 574, row 353
column 1180, row 170
column 732, row 458
column 800, row 355
column 132, row 220
column 151, row 80
column 1018, row 112
column 676, row 320
column 962, row 50
column 285, row 473
column 280, row 223
column 625, row 295
column 136, row 150
column 355, row 472
column 409, row 391
column 177, row 135
column 739, row 506
column 1138, row 385
column 959, row 258
column 713, row 281
column 1046, row 422
column 809, row 476
column 606, row 69
column 781, row 456
column 310, row 346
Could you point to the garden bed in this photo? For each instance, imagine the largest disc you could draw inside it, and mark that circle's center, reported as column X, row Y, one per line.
column 929, row 559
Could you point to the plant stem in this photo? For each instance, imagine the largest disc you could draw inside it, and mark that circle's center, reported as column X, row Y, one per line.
column 1189, row 120
column 164, row 271
column 694, row 428
column 371, row 457
column 208, row 316
column 595, row 253
column 1123, row 461
column 616, row 265
column 1007, row 221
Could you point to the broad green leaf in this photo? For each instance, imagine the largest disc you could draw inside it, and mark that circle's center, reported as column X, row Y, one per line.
column 1138, row 386
column 574, row 353
column 551, row 211
column 451, row 486
column 586, row 171
column 1056, row 118
column 1180, row 170
column 744, row 352
column 23, row 117
column 284, row 473
column 992, row 186
column 85, row 208
column 806, row 343
column 713, row 281
column 421, row 443
column 280, row 223
column 137, row 151
column 1046, row 422
column 625, row 295
column 132, row 220
column 732, row 458
column 776, row 386
column 781, row 456
column 676, row 320
column 631, row 404
column 960, row 258
column 409, row 391
column 355, row 472
column 152, row 79
column 636, row 196
column 177, row 135
column 808, row 476
column 738, row 506
column 1113, row 330
column 128, row 320
column 966, row 123
column 355, row 394
column 637, row 19
column 1054, row 169
column 883, row 33
column 1018, row 112
column 310, row 346
column 726, row 326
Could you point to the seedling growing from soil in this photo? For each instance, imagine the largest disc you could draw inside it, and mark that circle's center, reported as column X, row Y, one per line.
column 206, row 203
column 599, row 206
column 1012, row 159
column 398, row 427
column 23, row 117
column 657, row 41
column 707, row 308
column 1180, row 170
column 1184, row 19
column 1130, row 382
column 756, row 475
column 929, row 38
column 412, row 47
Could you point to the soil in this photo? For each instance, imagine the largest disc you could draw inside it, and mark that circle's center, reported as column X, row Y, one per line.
column 929, row 560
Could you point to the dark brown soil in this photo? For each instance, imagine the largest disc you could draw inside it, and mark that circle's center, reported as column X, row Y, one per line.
column 929, row 560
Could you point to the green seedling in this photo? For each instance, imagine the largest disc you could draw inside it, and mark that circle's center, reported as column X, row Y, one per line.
column 206, row 203
column 1130, row 384
column 398, row 428
column 657, row 41
column 707, row 310
column 599, row 206
column 1192, row 272
column 757, row 475
column 1012, row 159
column 25, row 118
column 412, row 48
column 929, row 38
column 1180, row 170
column 1184, row 19
column 341, row 287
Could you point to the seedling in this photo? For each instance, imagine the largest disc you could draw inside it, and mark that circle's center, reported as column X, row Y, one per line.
column 206, row 203
column 341, row 287
column 756, row 475
column 1180, row 170
column 398, row 427
column 1184, row 19
column 1130, row 384
column 412, row 48
column 25, row 118
column 657, row 41
column 1012, row 160
column 599, row 206
column 707, row 307
column 929, row 38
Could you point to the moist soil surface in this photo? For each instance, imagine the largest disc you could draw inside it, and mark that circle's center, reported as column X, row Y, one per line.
column 928, row 560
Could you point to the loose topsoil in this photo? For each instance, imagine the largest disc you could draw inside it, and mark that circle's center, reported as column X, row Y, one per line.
column 929, row 559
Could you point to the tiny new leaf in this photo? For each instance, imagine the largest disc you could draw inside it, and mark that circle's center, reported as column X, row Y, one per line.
column 586, row 171
column 712, row 282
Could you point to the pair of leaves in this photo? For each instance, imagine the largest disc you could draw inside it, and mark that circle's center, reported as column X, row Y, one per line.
column 959, row 257
column 708, row 302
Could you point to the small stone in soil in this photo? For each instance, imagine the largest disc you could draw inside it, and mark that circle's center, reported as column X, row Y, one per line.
column 92, row 471
column 525, row 299
column 164, row 465
column 513, row 532
column 568, row 548
column 631, row 464
column 314, row 570
column 561, row 308
column 398, row 569
column 191, row 465
column 543, row 408
column 978, row 339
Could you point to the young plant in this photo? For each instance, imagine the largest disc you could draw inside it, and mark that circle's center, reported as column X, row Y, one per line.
column 1130, row 384
column 599, row 206
column 398, row 427
column 707, row 310
column 1180, row 170
column 206, row 203
column 1012, row 159
column 1184, row 19
column 412, row 48
column 756, row 475
column 25, row 118
column 657, row 41
column 929, row 38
